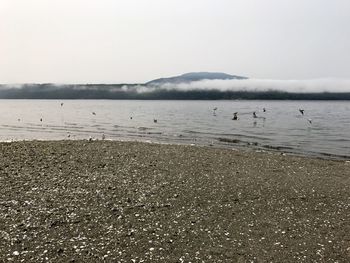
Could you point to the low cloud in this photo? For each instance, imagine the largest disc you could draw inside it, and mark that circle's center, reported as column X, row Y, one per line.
column 258, row 85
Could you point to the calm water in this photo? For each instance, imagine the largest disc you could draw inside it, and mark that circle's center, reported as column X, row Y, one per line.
column 281, row 127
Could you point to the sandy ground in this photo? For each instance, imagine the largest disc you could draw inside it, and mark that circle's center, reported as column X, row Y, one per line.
column 79, row 201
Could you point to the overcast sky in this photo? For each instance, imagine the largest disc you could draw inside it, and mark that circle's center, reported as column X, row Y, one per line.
column 112, row 41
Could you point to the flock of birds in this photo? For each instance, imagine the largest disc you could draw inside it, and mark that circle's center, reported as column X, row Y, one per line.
column 93, row 113
column 255, row 116
column 235, row 117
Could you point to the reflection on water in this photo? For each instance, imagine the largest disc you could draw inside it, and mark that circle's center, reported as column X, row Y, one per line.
column 281, row 127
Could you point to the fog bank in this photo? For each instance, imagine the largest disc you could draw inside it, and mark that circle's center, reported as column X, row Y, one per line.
column 320, row 89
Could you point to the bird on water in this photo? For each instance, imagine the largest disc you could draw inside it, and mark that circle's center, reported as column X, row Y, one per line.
column 235, row 117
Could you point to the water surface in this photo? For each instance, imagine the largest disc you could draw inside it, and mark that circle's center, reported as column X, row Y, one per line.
column 281, row 127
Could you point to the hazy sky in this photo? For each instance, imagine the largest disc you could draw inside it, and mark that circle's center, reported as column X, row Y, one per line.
column 110, row 41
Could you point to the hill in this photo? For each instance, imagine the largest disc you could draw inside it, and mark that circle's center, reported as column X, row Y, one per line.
column 193, row 76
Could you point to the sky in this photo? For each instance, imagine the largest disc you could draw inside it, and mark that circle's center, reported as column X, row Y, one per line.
column 134, row 41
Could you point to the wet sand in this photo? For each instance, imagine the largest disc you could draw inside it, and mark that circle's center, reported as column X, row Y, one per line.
column 79, row 201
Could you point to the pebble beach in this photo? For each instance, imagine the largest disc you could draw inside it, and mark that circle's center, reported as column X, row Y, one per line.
column 110, row 201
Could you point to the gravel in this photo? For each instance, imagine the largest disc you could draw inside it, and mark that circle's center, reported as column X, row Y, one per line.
column 104, row 201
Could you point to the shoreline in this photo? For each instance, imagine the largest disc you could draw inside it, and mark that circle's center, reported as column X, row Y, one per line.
column 128, row 201
column 235, row 145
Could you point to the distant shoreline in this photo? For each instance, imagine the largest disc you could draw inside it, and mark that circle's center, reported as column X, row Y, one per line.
column 117, row 92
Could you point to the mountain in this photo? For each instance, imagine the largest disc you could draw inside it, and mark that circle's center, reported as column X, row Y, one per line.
column 193, row 76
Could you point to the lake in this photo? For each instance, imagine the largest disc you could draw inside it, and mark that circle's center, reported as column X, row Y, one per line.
column 323, row 130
